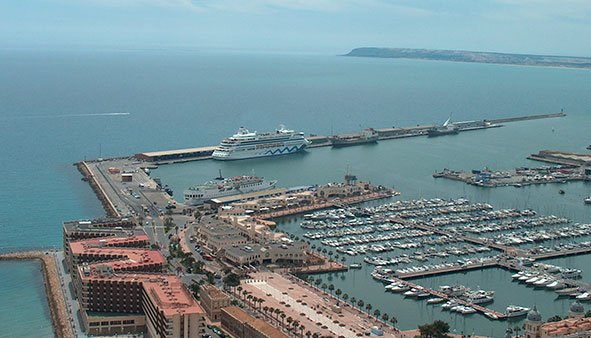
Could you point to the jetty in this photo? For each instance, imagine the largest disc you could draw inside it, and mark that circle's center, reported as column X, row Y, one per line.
column 484, row 310
column 53, row 289
column 519, row 177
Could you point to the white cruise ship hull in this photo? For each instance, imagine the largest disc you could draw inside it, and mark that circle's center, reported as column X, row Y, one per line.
column 267, row 152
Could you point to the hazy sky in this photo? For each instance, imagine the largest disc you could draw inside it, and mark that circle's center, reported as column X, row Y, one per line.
column 325, row 26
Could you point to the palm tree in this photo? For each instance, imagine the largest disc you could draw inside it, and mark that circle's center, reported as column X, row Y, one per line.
column 353, row 300
column 385, row 317
column 244, row 293
column 338, row 292
column 360, row 303
column 331, row 288
column 318, row 281
column 302, row 328
column 265, row 309
column 315, row 335
column 323, row 286
column 376, row 313
column 282, row 315
column 308, row 334
column 345, row 297
column 516, row 329
column 239, row 289
column 289, row 320
column 277, row 312
column 368, row 308
column 248, row 298
column 393, row 320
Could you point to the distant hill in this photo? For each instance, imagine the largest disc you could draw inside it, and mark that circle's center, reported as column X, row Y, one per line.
column 468, row 56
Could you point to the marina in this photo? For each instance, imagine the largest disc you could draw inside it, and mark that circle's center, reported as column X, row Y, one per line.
column 443, row 232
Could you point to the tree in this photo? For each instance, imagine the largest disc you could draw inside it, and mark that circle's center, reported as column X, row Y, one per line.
column 377, row 313
column 555, row 318
column 385, row 317
column 231, row 280
column 331, row 288
column 318, row 281
column 323, row 286
column 516, row 329
column 393, row 320
column 338, row 292
column 345, row 297
column 353, row 300
column 360, row 303
column 438, row 329
column 368, row 307
column 282, row 315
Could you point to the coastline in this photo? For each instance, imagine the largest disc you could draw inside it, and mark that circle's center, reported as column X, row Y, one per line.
column 53, row 289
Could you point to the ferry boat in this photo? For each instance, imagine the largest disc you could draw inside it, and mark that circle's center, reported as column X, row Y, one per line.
column 246, row 144
column 221, row 187
column 368, row 135
column 516, row 311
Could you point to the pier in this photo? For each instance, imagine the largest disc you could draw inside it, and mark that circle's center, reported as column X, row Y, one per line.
column 205, row 152
column 562, row 157
column 484, row 310
column 518, row 177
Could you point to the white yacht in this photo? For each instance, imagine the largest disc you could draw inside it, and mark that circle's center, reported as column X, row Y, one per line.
column 516, row 311
column 246, row 144
column 221, row 187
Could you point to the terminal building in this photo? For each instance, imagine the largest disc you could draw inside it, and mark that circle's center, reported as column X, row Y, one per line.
column 179, row 155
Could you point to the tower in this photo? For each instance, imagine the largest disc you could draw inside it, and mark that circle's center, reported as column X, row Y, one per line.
column 533, row 324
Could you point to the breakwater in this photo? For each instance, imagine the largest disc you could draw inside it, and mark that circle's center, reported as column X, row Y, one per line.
column 98, row 189
column 205, row 152
column 53, row 289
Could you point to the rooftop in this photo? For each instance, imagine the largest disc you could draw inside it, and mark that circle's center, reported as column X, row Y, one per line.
column 125, row 257
column 256, row 194
column 258, row 324
column 179, row 151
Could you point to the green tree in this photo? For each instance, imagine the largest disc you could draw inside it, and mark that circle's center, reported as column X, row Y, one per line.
column 368, row 307
column 231, row 280
column 345, row 296
column 385, row 317
column 331, row 288
column 377, row 313
column 555, row 318
column 360, row 303
column 437, row 329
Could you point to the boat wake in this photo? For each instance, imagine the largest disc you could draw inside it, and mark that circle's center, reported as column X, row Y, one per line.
column 66, row 115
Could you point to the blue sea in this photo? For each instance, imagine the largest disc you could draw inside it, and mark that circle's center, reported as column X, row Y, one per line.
column 59, row 107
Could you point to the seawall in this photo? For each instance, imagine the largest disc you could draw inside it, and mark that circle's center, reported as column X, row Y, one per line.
column 53, row 289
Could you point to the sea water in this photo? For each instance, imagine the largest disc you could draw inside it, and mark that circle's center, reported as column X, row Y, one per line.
column 61, row 107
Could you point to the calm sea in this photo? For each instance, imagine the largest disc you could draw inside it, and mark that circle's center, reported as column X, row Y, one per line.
column 60, row 107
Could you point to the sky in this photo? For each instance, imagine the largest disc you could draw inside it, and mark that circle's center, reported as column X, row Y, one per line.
column 558, row 27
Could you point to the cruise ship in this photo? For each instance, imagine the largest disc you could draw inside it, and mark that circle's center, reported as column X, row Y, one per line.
column 246, row 144
column 221, row 187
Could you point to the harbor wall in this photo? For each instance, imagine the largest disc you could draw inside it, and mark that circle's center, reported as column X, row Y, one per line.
column 317, row 141
column 53, row 289
column 98, row 189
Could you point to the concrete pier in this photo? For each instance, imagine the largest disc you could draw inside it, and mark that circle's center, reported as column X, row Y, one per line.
column 204, row 153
